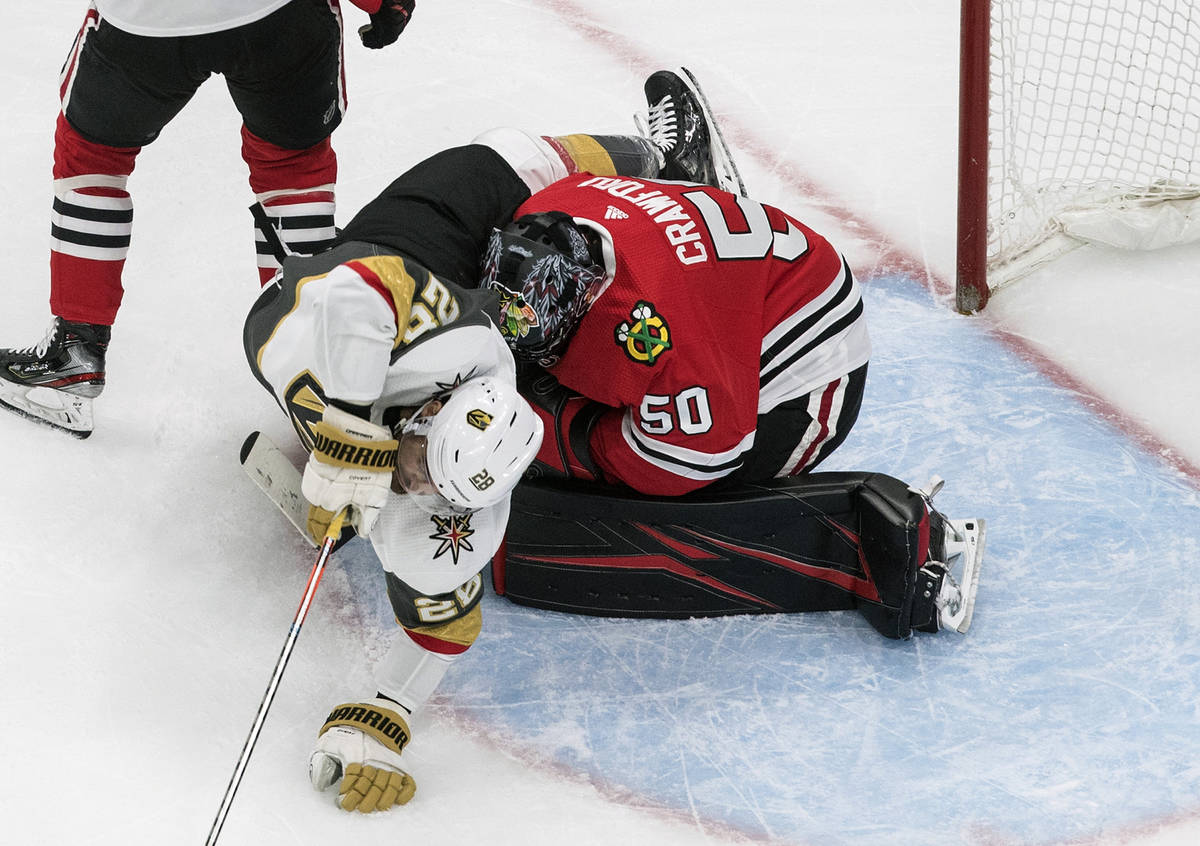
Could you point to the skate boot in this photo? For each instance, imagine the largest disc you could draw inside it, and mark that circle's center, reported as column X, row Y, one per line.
column 681, row 125
column 944, row 600
column 55, row 381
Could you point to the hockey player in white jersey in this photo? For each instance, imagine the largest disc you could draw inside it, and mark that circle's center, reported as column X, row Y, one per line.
column 405, row 394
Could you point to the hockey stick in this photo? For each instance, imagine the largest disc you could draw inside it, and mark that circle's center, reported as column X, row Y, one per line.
column 278, row 478
column 314, row 578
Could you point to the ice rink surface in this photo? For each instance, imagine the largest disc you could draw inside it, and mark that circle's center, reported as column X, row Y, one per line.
column 146, row 587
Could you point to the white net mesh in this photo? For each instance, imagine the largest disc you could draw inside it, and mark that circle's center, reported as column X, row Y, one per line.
column 1094, row 118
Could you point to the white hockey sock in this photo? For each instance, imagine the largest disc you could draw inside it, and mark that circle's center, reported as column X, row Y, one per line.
column 409, row 673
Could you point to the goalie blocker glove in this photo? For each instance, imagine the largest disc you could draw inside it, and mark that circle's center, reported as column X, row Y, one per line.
column 360, row 744
column 351, row 466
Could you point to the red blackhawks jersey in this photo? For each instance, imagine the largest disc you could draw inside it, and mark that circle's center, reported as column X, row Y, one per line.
column 718, row 309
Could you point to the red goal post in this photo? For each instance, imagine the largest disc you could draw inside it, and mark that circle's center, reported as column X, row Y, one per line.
column 1079, row 121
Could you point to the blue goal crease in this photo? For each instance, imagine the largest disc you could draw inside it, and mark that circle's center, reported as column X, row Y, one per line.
column 1068, row 710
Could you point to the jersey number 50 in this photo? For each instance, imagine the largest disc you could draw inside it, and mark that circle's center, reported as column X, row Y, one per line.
column 688, row 410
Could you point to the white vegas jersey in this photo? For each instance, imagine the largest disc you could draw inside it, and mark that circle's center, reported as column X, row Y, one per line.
column 435, row 555
column 382, row 331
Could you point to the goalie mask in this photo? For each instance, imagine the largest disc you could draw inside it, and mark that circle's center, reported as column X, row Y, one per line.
column 468, row 450
column 547, row 275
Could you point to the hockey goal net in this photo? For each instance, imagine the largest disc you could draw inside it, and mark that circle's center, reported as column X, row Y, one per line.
column 1079, row 122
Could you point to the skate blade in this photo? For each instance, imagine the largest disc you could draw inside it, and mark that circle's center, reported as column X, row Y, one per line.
column 968, row 547
column 728, row 175
column 57, row 409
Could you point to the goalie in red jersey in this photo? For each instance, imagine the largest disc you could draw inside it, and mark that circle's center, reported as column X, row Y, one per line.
column 693, row 354
column 673, row 333
column 683, row 335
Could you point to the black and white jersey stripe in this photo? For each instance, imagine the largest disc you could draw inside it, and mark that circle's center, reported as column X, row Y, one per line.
column 825, row 424
column 687, row 463
column 815, row 344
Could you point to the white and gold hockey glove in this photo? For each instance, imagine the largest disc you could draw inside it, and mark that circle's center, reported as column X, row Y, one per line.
column 351, row 465
column 360, row 744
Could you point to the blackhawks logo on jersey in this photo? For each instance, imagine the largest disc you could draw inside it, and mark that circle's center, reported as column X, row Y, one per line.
column 647, row 337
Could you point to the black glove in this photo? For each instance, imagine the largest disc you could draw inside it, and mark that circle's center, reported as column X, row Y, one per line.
column 540, row 389
column 568, row 419
column 386, row 24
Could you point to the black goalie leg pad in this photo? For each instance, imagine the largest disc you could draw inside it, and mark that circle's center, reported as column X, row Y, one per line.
column 820, row 542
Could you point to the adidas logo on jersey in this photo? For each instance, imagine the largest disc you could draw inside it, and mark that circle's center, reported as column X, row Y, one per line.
column 614, row 213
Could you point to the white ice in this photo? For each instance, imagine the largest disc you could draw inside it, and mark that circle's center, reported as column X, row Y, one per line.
column 146, row 587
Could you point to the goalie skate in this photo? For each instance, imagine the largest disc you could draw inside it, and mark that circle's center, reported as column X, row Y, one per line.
column 950, row 579
column 680, row 122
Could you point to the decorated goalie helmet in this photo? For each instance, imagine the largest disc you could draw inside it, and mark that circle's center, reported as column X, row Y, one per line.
column 467, row 450
column 547, row 274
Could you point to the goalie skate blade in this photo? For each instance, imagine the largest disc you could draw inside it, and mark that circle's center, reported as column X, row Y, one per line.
column 968, row 547
column 730, row 177
column 278, row 478
column 49, row 407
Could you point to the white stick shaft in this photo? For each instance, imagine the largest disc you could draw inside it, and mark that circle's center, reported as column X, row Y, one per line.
column 335, row 530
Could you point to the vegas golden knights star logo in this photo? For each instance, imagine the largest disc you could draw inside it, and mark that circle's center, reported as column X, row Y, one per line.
column 479, row 418
column 452, row 533
column 647, row 337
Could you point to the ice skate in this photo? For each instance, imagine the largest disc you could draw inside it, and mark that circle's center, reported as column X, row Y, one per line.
column 681, row 124
column 55, row 380
column 949, row 580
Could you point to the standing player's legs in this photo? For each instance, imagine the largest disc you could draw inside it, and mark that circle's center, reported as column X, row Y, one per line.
column 91, row 226
column 290, row 101
column 118, row 91
column 295, row 191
